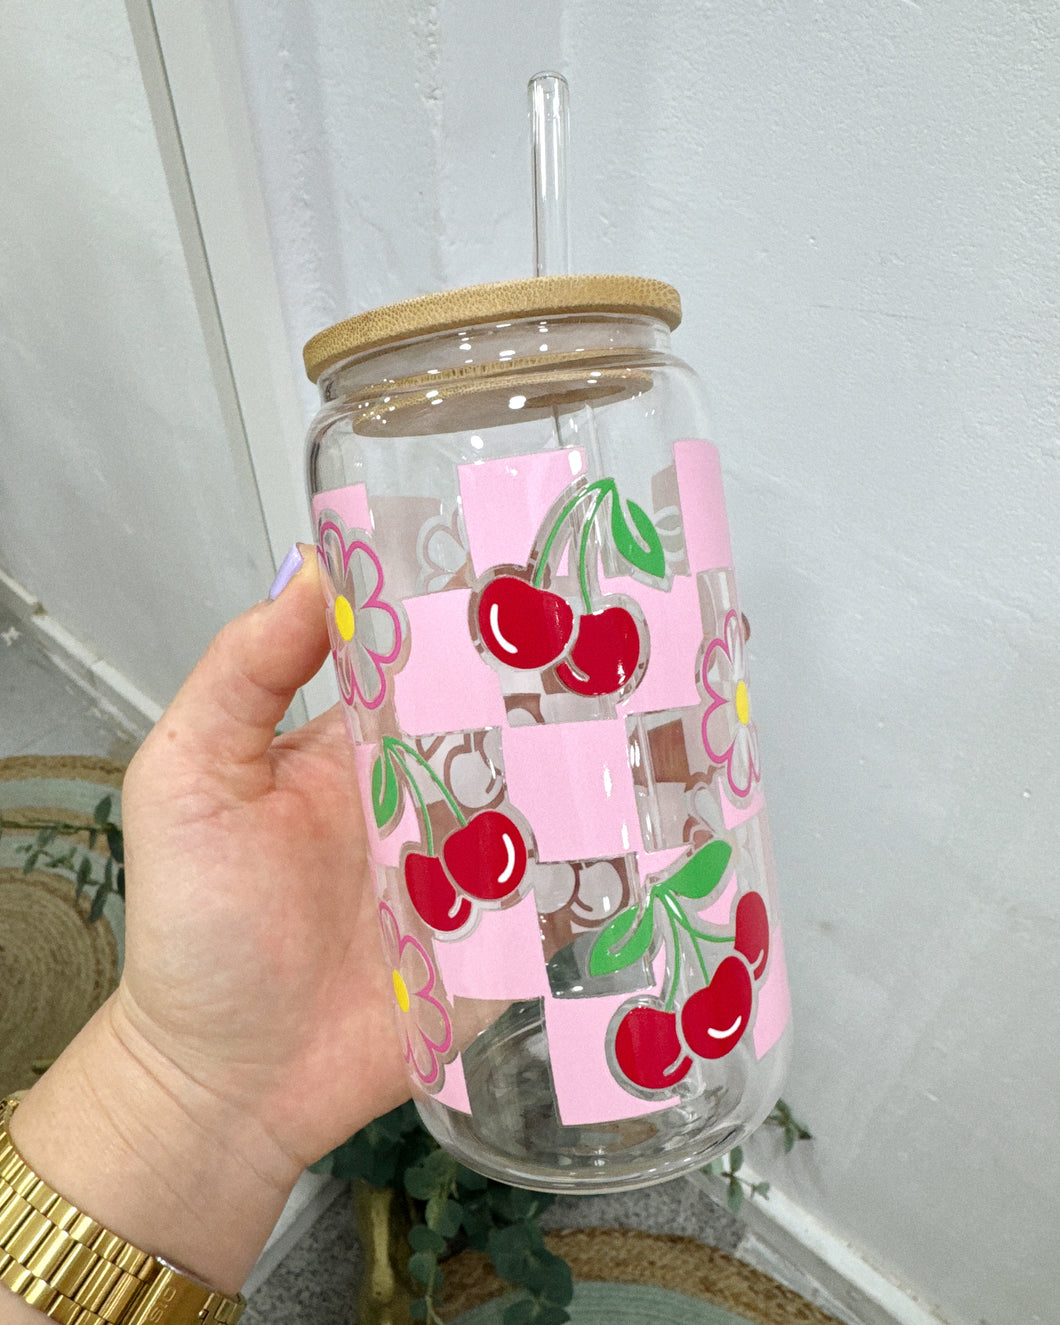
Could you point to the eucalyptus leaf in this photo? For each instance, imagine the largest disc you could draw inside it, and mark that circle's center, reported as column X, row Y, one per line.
column 101, row 814
column 735, row 1159
column 116, row 844
column 423, row 1266
column 643, row 549
column 735, row 1199
column 469, row 1180
column 422, row 1238
column 98, row 903
column 448, row 1221
column 510, row 1250
column 521, row 1312
column 386, row 791
column 621, row 942
column 698, row 877
column 550, row 1277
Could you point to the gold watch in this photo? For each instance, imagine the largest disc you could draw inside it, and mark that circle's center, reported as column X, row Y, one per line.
column 71, row 1268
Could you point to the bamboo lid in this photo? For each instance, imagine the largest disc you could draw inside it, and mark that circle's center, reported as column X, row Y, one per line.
column 499, row 301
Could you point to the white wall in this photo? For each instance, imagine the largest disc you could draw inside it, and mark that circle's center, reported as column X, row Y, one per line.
column 126, row 500
column 858, row 204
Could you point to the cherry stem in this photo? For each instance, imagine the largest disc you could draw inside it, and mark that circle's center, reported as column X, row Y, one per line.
column 391, row 743
column 600, row 489
column 399, row 760
column 676, row 977
column 678, row 912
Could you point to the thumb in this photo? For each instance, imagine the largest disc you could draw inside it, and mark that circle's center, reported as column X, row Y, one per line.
column 230, row 704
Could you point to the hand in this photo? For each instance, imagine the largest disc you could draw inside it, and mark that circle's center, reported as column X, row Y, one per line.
column 253, row 937
column 253, row 1027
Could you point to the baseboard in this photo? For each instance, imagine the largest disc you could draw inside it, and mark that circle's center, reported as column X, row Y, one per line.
column 108, row 687
column 793, row 1247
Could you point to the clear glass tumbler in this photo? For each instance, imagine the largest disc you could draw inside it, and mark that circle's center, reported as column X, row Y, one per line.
column 543, row 668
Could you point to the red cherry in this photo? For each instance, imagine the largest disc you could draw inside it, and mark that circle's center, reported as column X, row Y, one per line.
column 648, row 1050
column 433, row 895
column 752, row 932
column 713, row 1019
column 521, row 625
column 487, row 857
column 605, row 653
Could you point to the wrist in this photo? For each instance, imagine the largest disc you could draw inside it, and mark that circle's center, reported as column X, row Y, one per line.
column 123, row 1134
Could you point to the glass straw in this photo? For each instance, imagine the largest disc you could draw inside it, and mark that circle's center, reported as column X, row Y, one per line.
column 549, row 136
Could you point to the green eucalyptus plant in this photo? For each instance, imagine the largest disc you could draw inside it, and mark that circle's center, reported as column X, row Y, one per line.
column 450, row 1208
column 76, row 859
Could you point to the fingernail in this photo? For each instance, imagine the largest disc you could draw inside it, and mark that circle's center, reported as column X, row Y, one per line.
column 289, row 568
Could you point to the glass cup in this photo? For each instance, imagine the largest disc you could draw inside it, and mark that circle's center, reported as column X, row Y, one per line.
column 543, row 668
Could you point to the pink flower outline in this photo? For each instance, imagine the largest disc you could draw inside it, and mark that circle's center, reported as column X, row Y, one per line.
column 730, row 737
column 353, row 657
column 425, row 1024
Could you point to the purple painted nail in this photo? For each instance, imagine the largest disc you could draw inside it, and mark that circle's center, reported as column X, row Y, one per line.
column 288, row 569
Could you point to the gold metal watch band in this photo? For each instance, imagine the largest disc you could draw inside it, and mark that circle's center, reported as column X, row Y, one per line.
column 72, row 1269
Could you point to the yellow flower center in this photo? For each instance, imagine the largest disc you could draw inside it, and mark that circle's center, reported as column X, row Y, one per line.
column 401, row 991
column 344, row 618
column 743, row 703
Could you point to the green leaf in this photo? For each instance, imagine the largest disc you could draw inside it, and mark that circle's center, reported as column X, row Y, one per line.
column 521, row 1312
column 735, row 1200
column 418, row 1308
column 644, row 552
column 101, row 814
column 432, row 1176
column 386, row 790
column 98, row 903
column 510, row 1250
column 31, row 860
column 46, row 835
column 697, row 878
column 422, row 1238
column 116, row 844
column 760, row 1189
column 616, row 947
column 448, row 1219
column 735, row 1159
column 469, row 1180
column 423, row 1266
column 549, row 1277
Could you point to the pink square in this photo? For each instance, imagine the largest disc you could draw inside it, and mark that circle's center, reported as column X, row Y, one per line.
column 586, row 1089
column 501, row 958
column 453, row 1093
column 350, row 504
column 675, row 633
column 719, row 911
column 384, row 850
column 446, row 685
column 702, row 501
column 655, row 865
column 774, row 999
column 505, row 501
column 572, row 782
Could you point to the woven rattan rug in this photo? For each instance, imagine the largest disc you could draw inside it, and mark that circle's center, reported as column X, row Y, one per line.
column 55, row 968
column 626, row 1277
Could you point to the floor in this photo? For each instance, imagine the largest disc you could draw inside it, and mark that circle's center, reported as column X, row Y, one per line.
column 42, row 711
